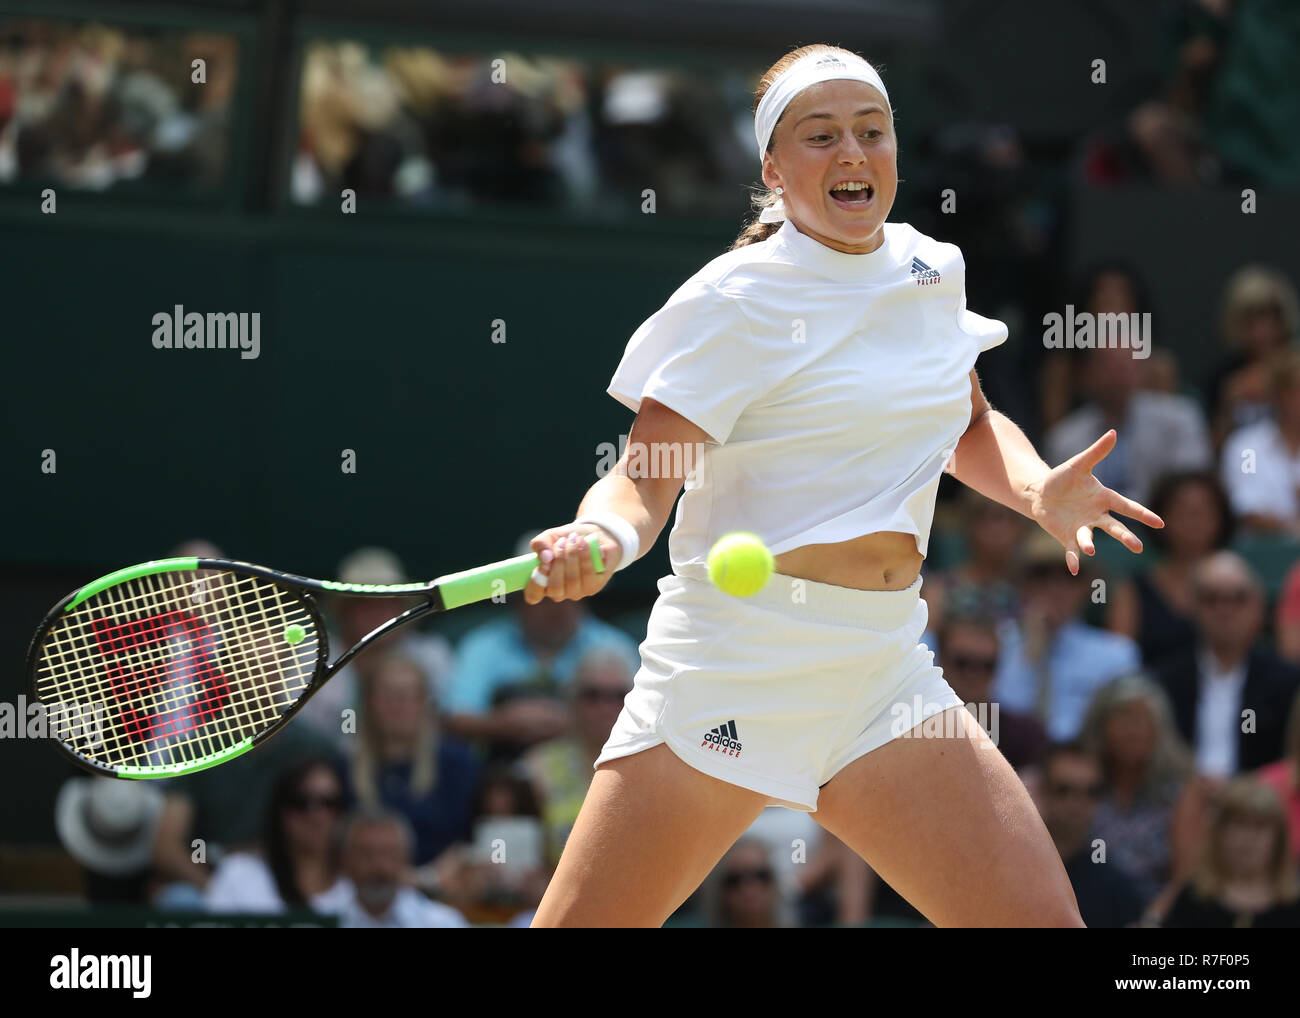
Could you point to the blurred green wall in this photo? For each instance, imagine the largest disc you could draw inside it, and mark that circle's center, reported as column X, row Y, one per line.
column 372, row 339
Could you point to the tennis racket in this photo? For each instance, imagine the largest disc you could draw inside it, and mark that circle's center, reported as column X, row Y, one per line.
column 180, row 664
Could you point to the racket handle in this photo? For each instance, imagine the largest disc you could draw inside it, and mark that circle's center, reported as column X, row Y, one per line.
column 504, row 577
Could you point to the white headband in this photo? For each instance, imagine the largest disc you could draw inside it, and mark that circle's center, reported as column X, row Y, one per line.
column 814, row 68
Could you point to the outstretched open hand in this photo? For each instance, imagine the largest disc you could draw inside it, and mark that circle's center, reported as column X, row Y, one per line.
column 1068, row 502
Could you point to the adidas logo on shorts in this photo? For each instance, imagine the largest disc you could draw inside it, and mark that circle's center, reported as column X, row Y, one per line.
column 723, row 739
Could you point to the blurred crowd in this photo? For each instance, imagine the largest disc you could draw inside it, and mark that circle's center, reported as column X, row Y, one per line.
column 1224, row 107
column 93, row 106
column 423, row 127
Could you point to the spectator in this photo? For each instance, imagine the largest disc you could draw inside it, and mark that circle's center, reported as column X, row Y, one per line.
column 108, row 826
column 742, row 891
column 1230, row 701
column 376, row 858
column 1259, row 318
column 1109, row 287
column 1157, row 432
column 511, row 674
column 1246, row 876
column 1068, row 796
column 984, row 582
column 1284, row 778
column 1155, row 606
column 358, row 616
column 814, row 871
column 562, row 768
column 1145, row 771
column 500, row 876
column 1051, row 661
column 1261, row 462
column 404, row 762
column 220, row 810
column 298, row 866
column 967, row 651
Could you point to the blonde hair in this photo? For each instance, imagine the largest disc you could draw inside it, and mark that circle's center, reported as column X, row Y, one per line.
column 1254, row 286
column 1170, row 761
column 762, row 196
column 1247, row 799
column 366, row 755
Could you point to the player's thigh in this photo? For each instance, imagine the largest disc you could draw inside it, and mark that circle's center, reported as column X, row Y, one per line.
column 950, row 826
column 650, row 830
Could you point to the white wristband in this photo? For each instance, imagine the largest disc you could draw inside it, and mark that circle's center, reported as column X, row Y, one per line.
column 622, row 532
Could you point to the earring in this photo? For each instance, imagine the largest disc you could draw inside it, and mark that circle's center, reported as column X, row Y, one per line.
column 780, row 190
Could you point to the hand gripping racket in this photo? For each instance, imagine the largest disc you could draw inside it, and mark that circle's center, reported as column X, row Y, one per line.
column 179, row 664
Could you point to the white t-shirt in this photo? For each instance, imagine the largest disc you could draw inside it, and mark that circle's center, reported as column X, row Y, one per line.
column 410, row 910
column 243, row 882
column 1265, row 482
column 834, row 388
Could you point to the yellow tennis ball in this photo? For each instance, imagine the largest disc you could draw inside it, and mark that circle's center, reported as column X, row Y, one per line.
column 740, row 564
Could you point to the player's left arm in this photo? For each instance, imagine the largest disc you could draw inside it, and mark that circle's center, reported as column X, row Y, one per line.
column 997, row 459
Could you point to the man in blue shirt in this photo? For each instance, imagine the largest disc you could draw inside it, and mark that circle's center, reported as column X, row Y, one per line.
column 510, row 676
column 1052, row 661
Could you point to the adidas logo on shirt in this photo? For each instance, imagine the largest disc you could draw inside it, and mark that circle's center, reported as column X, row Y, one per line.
column 924, row 275
column 723, row 739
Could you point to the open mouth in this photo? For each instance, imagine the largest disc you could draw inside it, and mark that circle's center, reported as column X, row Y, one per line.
column 852, row 195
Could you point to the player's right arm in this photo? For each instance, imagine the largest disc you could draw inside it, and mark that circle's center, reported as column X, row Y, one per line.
column 644, row 501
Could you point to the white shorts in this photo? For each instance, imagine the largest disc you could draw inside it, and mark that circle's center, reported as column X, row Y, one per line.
column 779, row 691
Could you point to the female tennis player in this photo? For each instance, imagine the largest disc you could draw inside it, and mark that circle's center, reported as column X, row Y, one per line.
column 825, row 365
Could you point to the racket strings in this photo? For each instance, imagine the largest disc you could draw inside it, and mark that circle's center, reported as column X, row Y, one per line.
column 176, row 667
column 253, row 707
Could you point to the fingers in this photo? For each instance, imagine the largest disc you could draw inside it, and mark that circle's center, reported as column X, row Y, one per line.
column 1096, row 452
column 567, row 569
column 1139, row 512
column 542, row 546
column 1121, row 533
column 566, row 565
column 1083, row 539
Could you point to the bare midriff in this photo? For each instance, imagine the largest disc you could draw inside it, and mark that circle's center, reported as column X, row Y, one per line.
column 886, row 560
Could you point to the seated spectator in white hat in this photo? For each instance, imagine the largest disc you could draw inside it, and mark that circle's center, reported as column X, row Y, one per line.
column 108, row 826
